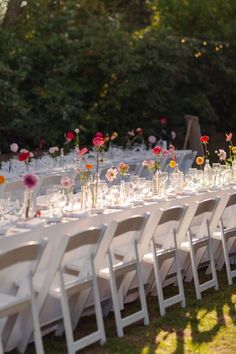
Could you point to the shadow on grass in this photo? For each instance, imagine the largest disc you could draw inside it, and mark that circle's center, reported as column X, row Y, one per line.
column 197, row 328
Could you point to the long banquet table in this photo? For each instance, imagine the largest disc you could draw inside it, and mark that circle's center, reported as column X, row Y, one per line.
column 55, row 249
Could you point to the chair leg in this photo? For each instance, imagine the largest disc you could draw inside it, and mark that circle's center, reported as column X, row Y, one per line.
column 115, row 299
column 1, row 347
column 141, row 288
column 180, row 279
column 98, row 310
column 213, row 267
column 66, row 316
column 158, row 285
column 227, row 261
column 194, row 269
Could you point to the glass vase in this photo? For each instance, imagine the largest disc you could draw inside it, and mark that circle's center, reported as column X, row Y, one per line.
column 27, row 204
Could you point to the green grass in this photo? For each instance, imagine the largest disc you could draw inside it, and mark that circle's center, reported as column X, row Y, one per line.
column 204, row 326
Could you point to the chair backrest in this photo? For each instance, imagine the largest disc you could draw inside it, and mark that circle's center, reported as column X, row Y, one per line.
column 86, row 244
column 135, row 223
column 26, row 252
column 231, row 201
column 48, row 181
column 187, row 161
column 206, row 206
column 168, row 222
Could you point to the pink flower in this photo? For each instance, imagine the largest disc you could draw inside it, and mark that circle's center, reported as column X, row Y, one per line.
column 99, row 134
column 152, row 139
column 163, row 120
column 98, row 141
column 81, row 152
column 229, row 137
column 149, row 164
column 222, row 155
column 139, row 131
column 66, row 182
column 123, row 168
column 14, row 147
column 165, row 153
column 76, row 130
column 111, row 174
column 30, row 180
column 157, row 150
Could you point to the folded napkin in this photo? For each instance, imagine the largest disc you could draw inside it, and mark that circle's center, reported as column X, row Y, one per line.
column 76, row 213
column 32, row 223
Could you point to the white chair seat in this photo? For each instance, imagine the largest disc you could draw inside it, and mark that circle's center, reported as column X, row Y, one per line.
column 118, row 268
column 185, row 246
column 148, row 257
column 9, row 300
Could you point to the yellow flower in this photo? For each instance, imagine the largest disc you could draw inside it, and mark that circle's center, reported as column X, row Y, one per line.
column 200, row 160
column 233, row 149
column 172, row 163
column 2, row 179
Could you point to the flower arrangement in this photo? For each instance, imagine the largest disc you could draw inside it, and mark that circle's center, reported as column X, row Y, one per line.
column 123, row 168
column 232, row 148
column 30, row 181
column 222, row 155
column 76, row 137
column 159, row 152
column 111, row 174
column 25, row 156
column 98, row 144
column 134, row 135
column 204, row 139
column 85, row 173
column 54, row 151
column 67, row 182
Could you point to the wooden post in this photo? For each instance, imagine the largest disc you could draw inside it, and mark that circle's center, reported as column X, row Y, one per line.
column 193, row 135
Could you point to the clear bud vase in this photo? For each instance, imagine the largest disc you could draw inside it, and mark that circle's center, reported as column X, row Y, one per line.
column 233, row 171
column 156, row 183
column 177, row 178
column 84, row 197
column 207, row 174
column 27, row 204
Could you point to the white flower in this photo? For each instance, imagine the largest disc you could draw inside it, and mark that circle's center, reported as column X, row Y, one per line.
column 76, row 130
column 14, row 147
column 111, row 174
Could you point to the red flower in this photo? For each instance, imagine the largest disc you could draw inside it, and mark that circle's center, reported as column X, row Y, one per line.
column 70, row 136
column 157, row 150
column 204, row 139
column 99, row 134
column 98, row 141
column 23, row 156
column 163, row 120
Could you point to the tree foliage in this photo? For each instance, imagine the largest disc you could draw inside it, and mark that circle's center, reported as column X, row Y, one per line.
column 116, row 65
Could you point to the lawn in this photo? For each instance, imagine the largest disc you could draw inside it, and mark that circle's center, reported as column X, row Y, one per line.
column 204, row 326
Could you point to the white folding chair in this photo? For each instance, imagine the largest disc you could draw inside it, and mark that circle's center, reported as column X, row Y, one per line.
column 165, row 254
column 12, row 305
column 199, row 241
column 66, row 285
column 48, row 181
column 227, row 236
column 123, row 258
column 187, row 160
column 14, row 188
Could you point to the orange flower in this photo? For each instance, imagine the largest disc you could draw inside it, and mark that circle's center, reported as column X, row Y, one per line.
column 233, row 149
column 89, row 166
column 172, row 163
column 2, row 179
column 200, row 160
